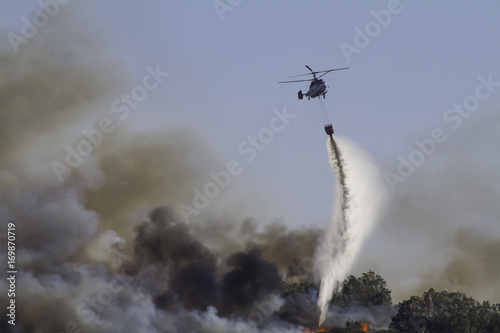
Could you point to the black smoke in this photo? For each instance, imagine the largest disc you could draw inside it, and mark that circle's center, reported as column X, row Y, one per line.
column 193, row 274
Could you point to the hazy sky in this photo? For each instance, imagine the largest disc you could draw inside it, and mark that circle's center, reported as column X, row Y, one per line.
column 225, row 66
column 224, row 79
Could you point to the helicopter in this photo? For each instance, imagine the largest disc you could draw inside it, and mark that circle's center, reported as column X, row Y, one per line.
column 316, row 89
column 317, row 86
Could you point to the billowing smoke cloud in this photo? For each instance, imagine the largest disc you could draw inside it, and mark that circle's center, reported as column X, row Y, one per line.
column 192, row 268
column 475, row 251
column 46, row 90
column 104, row 250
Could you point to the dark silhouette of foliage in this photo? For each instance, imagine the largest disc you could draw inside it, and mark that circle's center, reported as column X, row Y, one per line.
column 442, row 311
column 303, row 288
column 446, row 312
column 367, row 290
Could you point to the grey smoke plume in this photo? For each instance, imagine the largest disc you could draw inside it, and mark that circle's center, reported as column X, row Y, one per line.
column 103, row 250
column 445, row 218
column 46, row 89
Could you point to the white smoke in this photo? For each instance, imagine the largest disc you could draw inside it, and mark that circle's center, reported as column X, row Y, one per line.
column 359, row 199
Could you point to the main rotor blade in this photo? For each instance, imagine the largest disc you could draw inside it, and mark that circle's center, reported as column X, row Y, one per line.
column 296, row 81
column 336, row 69
column 331, row 70
column 300, row 75
column 327, row 71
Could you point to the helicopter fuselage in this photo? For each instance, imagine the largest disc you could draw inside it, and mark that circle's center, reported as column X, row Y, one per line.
column 316, row 89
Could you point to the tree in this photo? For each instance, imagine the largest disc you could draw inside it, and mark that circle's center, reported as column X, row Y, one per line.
column 367, row 290
column 446, row 312
column 303, row 288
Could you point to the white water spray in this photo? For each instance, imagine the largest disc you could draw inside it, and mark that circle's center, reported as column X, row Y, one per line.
column 359, row 198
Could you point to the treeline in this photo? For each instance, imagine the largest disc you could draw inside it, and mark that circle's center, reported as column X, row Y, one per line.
column 434, row 311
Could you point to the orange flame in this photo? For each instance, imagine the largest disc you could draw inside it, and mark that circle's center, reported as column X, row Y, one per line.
column 364, row 327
